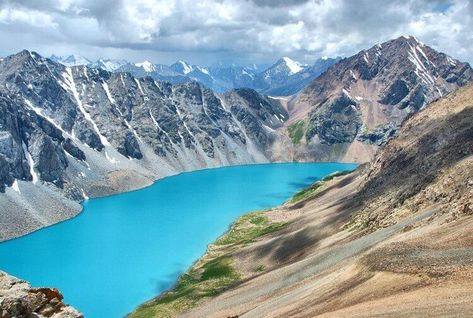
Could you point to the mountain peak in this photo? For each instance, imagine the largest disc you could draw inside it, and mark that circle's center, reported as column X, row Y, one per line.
column 182, row 67
column 147, row 66
column 409, row 39
column 294, row 67
column 108, row 65
column 70, row 60
column 185, row 66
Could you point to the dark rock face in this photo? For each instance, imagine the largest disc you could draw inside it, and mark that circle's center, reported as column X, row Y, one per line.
column 130, row 147
column 338, row 122
column 51, row 159
column 13, row 163
column 396, row 93
column 378, row 136
column 385, row 84
column 73, row 150
column 258, row 115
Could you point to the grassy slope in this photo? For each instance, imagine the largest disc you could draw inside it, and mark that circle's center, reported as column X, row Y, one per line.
column 296, row 132
column 213, row 273
column 313, row 189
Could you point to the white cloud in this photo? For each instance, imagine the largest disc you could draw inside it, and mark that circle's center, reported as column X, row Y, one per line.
column 239, row 30
column 33, row 18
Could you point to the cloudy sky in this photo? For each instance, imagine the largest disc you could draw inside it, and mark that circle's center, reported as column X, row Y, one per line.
column 240, row 31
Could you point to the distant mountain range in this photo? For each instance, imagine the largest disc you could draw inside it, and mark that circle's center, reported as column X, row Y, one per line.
column 283, row 78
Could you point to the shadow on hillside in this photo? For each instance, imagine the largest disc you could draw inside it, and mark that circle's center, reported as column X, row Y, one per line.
column 287, row 248
column 342, row 183
column 407, row 171
column 292, row 244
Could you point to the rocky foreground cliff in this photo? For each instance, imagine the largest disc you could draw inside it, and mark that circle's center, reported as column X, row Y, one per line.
column 19, row 300
column 390, row 239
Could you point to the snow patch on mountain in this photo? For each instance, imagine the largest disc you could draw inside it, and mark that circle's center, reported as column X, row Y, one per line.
column 186, row 68
column 147, row 66
column 70, row 60
column 294, row 67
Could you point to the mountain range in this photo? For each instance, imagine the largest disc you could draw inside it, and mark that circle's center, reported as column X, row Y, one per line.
column 285, row 77
column 71, row 129
column 73, row 132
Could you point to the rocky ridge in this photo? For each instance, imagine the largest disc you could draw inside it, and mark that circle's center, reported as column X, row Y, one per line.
column 359, row 102
column 19, row 300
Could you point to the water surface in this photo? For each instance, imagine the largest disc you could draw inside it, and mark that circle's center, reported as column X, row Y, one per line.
column 127, row 248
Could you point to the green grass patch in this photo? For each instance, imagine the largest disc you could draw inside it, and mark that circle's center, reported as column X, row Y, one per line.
column 248, row 228
column 296, row 131
column 260, row 268
column 207, row 280
column 314, row 188
column 217, row 268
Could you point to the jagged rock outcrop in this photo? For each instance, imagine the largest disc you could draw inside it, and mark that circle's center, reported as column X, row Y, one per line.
column 259, row 115
column 19, row 300
column 360, row 101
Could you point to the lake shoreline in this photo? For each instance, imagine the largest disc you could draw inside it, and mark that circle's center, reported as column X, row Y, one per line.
column 150, row 182
column 276, row 182
column 244, row 230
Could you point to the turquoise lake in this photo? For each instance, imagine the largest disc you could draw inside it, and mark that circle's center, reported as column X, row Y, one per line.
column 127, row 248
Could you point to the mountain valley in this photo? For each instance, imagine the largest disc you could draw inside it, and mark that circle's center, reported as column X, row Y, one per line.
column 385, row 239
column 70, row 133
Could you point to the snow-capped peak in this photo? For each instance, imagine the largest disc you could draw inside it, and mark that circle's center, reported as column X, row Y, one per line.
column 294, row 67
column 70, row 60
column 147, row 66
column 108, row 65
column 186, row 68
column 204, row 70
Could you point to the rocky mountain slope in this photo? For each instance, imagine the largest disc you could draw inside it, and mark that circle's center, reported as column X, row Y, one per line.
column 390, row 239
column 19, row 300
column 69, row 133
column 358, row 103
